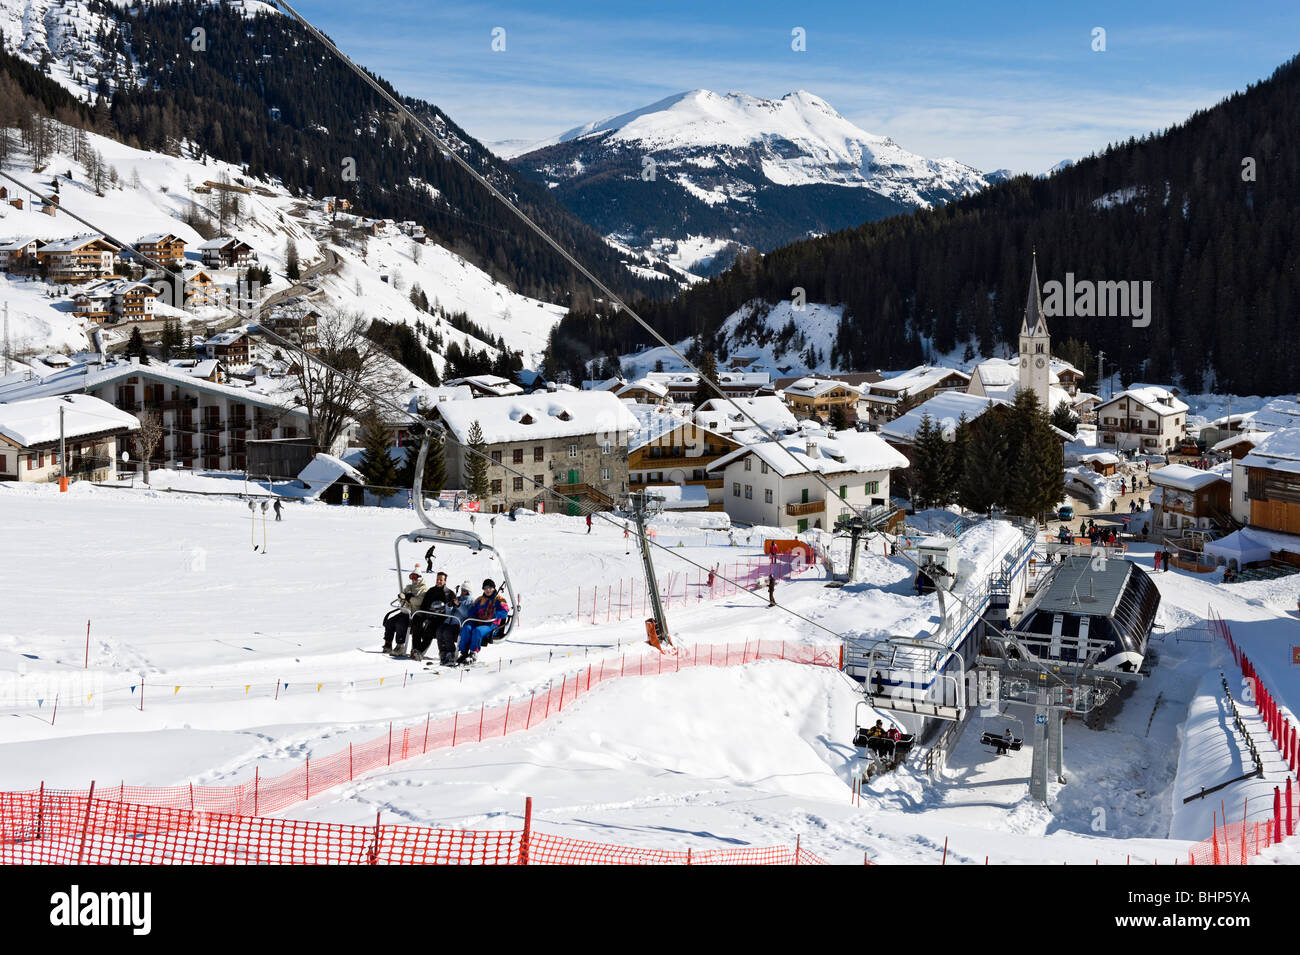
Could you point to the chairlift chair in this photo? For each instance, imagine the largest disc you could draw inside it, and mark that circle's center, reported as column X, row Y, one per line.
column 890, row 751
column 433, row 533
column 996, row 742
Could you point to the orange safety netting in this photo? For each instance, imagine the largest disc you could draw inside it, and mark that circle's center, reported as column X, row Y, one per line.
column 55, row 827
column 226, row 824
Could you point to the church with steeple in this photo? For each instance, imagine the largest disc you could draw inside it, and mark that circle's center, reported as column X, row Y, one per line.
column 1036, row 345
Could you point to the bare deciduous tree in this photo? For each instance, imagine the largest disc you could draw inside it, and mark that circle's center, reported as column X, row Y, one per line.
column 333, row 391
column 147, row 439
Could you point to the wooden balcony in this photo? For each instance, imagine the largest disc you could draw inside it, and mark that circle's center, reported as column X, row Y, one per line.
column 799, row 510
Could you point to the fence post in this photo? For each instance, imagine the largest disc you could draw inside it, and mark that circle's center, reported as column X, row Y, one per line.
column 589, row 676
column 427, row 717
column 481, row 708
column 796, row 849
column 594, row 591
column 40, row 812
column 563, row 683
column 257, row 779
column 688, row 855
column 528, row 828
column 1277, row 814
column 372, row 856
column 455, row 725
column 85, row 824
column 390, row 742
column 1289, row 830
column 528, row 723
column 506, row 725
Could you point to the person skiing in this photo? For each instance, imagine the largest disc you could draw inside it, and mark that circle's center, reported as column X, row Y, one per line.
column 398, row 621
column 711, row 573
column 486, row 614
column 588, row 523
column 428, row 559
column 438, row 599
column 771, row 590
column 277, row 509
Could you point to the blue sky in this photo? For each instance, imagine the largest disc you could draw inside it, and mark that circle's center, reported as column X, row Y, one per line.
column 994, row 84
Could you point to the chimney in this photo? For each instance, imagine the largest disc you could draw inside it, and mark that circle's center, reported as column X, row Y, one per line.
column 810, row 446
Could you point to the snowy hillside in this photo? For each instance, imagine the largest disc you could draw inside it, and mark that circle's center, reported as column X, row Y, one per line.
column 782, row 340
column 155, row 193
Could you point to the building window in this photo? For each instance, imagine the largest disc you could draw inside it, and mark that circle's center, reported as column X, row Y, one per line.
column 767, row 496
column 538, row 453
column 762, row 467
column 749, row 492
column 606, row 448
column 604, row 474
column 539, row 480
column 735, row 489
column 518, row 456
column 573, row 450
column 748, row 464
column 518, row 484
column 496, row 487
column 496, row 457
column 872, row 487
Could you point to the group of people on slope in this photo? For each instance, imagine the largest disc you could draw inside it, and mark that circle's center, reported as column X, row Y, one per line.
column 460, row 622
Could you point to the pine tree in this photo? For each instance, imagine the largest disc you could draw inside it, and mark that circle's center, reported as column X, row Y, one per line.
column 377, row 465
column 982, row 481
column 1064, row 418
column 476, row 468
column 135, row 346
column 708, row 366
column 839, row 419
column 435, row 467
column 933, row 465
column 291, row 268
column 961, row 441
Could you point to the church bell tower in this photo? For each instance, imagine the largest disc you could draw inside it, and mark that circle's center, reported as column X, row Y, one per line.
column 1035, row 345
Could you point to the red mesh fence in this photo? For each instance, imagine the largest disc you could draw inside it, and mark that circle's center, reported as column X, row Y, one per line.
column 226, row 824
column 627, row 598
column 62, row 828
column 1234, row 843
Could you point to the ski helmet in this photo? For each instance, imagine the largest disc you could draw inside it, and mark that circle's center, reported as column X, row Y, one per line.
column 489, row 583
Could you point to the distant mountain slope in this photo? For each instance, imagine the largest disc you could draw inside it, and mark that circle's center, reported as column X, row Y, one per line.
column 737, row 170
column 1208, row 212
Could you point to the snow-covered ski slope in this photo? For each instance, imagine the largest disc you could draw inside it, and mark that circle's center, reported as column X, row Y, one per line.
column 705, row 758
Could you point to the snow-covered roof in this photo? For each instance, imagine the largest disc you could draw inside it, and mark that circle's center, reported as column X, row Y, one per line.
column 36, row 421
column 220, row 242
column 493, row 383
column 835, row 453
column 768, row 410
column 1183, row 478
column 1280, row 451
column 1249, row 437
column 432, row 397
column 1100, row 457
column 226, row 338
column 680, row 497
column 944, row 408
column 1160, row 400
column 87, row 374
column 13, row 245
column 816, row 387
column 645, row 384
column 1278, row 413
column 155, row 237
column 75, row 243
column 916, row 380
column 539, row 415
column 324, row 469
column 682, row 379
column 1252, row 544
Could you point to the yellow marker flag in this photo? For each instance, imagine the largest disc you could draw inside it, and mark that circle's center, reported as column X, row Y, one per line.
column 176, row 690
column 318, row 686
column 89, row 697
column 245, row 687
column 381, row 681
